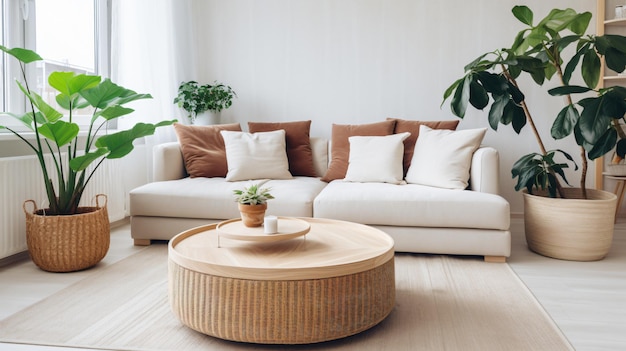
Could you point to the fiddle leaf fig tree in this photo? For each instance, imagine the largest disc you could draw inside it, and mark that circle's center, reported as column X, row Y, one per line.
column 555, row 47
column 57, row 134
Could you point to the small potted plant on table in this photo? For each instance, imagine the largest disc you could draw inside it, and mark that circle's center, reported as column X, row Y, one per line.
column 204, row 103
column 252, row 202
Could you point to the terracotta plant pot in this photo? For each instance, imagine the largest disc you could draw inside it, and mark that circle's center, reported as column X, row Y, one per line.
column 252, row 215
column 67, row 243
column 572, row 229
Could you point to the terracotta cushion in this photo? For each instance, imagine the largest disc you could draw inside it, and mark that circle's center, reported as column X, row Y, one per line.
column 299, row 152
column 340, row 144
column 203, row 149
column 413, row 127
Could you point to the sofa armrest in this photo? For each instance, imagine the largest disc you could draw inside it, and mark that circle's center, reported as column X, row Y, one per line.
column 485, row 169
column 167, row 162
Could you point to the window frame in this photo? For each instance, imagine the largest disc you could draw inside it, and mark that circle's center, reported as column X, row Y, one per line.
column 20, row 32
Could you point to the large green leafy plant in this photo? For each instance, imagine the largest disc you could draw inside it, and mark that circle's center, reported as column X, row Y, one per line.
column 539, row 50
column 57, row 134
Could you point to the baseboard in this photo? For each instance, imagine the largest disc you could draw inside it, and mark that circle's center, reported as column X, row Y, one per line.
column 9, row 260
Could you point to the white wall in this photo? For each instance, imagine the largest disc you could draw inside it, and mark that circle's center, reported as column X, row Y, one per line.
column 360, row 61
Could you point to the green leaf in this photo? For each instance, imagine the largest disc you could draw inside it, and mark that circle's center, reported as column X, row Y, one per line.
column 23, row 55
column 568, row 89
column 448, row 91
column 620, row 148
column 108, row 93
column 617, row 42
column 60, row 132
column 461, row 98
column 591, row 68
column 592, row 122
column 573, row 63
column 580, row 23
column 50, row 114
column 26, row 119
column 112, row 112
column 478, row 95
column 564, row 123
column 120, row 144
column 604, row 144
column 523, row 14
column 519, row 117
column 70, row 83
column 615, row 60
column 497, row 110
column 80, row 163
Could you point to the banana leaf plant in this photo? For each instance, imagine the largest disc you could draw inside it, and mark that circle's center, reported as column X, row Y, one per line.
column 540, row 51
column 56, row 134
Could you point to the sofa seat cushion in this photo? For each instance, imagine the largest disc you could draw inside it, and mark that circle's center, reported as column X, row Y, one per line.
column 293, row 197
column 212, row 198
column 411, row 205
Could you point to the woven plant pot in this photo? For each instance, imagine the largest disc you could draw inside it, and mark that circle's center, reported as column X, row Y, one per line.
column 67, row 243
column 572, row 229
column 252, row 215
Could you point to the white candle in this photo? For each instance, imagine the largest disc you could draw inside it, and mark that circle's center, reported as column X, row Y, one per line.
column 270, row 224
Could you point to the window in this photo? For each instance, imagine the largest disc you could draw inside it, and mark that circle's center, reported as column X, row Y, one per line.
column 70, row 35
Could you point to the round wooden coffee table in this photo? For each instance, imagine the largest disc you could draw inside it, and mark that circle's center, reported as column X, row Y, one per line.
column 336, row 281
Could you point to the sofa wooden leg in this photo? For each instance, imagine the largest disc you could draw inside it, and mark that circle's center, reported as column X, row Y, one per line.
column 495, row 259
column 145, row 242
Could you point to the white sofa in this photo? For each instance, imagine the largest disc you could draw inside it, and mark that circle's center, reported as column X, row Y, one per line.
column 420, row 219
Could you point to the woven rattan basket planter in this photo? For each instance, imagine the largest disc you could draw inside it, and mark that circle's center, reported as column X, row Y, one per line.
column 570, row 229
column 67, row 243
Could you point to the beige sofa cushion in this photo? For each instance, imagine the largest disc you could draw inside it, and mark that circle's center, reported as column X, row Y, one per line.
column 212, row 198
column 411, row 205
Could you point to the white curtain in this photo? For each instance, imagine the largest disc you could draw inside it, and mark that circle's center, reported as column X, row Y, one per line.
column 152, row 51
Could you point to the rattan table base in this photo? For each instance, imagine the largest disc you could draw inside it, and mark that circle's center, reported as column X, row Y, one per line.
column 282, row 312
column 227, row 293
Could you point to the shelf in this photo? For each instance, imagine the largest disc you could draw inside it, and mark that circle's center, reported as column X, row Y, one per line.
column 616, row 22
column 620, row 77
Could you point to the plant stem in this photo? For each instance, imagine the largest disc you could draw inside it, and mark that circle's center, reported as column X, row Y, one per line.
column 583, row 154
column 531, row 122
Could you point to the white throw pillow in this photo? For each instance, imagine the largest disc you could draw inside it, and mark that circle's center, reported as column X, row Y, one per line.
column 376, row 159
column 259, row 155
column 442, row 158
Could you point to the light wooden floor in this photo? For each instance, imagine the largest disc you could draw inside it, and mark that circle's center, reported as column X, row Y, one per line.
column 587, row 300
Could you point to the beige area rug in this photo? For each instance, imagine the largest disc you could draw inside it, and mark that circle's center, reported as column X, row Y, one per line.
column 442, row 303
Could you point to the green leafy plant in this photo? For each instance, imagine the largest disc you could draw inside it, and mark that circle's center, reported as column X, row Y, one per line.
column 57, row 134
column 538, row 50
column 196, row 98
column 252, row 195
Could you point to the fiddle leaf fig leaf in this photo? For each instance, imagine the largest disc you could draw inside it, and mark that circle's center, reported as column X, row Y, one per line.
column 478, row 95
column 564, row 123
column 461, row 98
column 620, row 149
column 590, row 68
column 523, row 14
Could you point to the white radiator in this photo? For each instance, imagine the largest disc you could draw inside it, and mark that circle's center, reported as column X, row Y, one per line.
column 21, row 179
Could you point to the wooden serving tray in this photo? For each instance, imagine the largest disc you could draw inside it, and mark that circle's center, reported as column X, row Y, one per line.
column 288, row 228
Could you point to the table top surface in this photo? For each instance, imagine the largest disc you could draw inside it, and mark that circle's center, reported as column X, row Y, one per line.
column 331, row 248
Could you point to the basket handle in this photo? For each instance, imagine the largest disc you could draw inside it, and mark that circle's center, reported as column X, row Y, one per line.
column 34, row 204
column 97, row 197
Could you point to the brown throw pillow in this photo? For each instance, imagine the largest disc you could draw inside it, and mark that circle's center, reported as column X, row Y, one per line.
column 299, row 152
column 413, row 127
column 203, row 149
column 340, row 145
